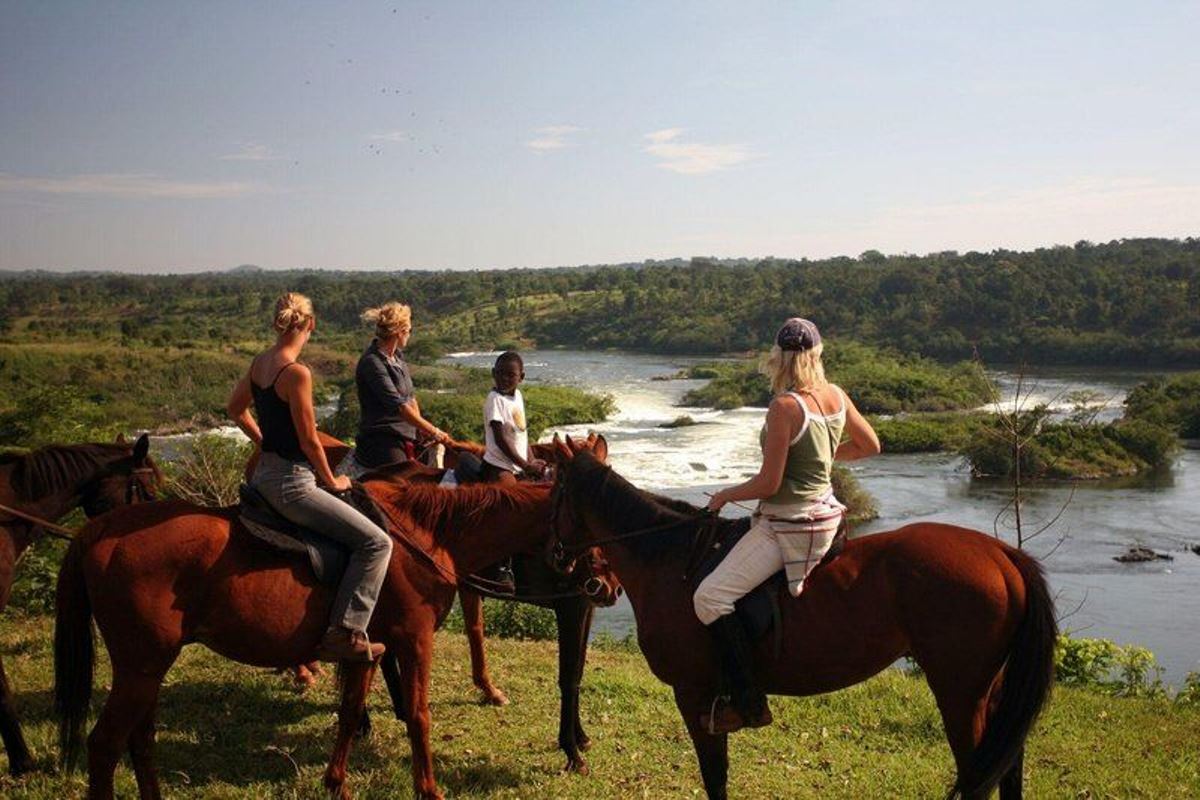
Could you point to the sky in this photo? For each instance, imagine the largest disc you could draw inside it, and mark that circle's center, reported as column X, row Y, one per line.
column 168, row 137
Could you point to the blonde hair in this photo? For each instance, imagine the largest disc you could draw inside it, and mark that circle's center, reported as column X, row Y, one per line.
column 795, row 370
column 390, row 319
column 293, row 311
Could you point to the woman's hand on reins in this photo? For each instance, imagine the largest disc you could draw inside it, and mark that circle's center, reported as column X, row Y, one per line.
column 716, row 502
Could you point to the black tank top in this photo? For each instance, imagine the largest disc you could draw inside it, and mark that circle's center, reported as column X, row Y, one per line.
column 275, row 421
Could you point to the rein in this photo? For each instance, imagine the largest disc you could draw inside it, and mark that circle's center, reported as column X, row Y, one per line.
column 51, row 528
column 474, row 583
column 562, row 550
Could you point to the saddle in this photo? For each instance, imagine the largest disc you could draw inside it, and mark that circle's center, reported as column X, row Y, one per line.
column 759, row 610
column 327, row 558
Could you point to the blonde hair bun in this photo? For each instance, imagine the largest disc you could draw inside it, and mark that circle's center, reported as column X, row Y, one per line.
column 293, row 311
column 390, row 319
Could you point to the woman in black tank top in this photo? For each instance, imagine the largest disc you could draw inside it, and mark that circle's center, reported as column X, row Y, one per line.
column 293, row 474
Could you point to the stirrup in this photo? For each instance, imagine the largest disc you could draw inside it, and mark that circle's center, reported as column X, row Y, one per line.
column 712, row 711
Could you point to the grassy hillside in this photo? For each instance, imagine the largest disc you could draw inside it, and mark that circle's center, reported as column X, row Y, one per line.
column 228, row 731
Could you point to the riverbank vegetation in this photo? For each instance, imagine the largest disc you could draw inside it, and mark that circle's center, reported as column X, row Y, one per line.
column 879, row 381
column 230, row 731
column 1126, row 302
column 1169, row 401
column 917, row 405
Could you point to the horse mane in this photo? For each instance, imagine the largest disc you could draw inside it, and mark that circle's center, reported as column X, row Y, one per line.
column 618, row 499
column 55, row 467
column 445, row 511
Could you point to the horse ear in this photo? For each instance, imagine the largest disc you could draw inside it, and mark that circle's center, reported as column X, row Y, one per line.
column 591, row 440
column 600, row 448
column 121, row 439
column 563, row 448
column 142, row 448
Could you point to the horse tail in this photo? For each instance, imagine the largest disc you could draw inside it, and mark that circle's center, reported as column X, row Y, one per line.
column 74, row 654
column 1025, row 687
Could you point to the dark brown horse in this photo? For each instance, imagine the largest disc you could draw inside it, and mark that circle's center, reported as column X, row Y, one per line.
column 974, row 613
column 160, row 576
column 572, row 599
column 47, row 483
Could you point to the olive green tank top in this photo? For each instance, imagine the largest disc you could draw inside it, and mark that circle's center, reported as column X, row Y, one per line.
column 806, row 474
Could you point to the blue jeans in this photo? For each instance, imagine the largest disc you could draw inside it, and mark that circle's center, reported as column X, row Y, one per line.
column 291, row 489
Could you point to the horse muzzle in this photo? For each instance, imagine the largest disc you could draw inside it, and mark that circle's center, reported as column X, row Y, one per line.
column 599, row 592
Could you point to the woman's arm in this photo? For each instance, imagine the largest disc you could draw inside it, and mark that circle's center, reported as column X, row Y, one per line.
column 297, row 386
column 863, row 441
column 781, row 419
column 238, row 409
column 410, row 412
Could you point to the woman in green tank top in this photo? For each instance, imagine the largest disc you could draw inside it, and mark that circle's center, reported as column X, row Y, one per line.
column 797, row 515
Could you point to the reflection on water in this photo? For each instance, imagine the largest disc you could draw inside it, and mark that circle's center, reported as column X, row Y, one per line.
column 1156, row 604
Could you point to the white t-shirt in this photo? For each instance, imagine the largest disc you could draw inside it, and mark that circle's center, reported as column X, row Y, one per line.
column 510, row 413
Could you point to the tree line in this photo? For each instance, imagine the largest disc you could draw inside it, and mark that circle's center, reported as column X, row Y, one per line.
column 1131, row 301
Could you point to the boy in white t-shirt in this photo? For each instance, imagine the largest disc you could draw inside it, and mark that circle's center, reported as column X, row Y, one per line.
column 504, row 426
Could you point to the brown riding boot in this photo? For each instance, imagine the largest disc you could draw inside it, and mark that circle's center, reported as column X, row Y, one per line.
column 747, row 705
column 343, row 644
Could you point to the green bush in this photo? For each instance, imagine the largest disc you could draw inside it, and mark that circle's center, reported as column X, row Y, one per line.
column 1189, row 694
column 510, row 620
column 1127, row 671
column 1170, row 402
column 926, row 433
column 37, row 575
column 210, row 472
column 1067, row 450
column 860, row 504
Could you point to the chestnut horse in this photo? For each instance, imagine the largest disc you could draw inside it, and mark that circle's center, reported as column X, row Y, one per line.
column 590, row 584
column 572, row 609
column 975, row 614
column 47, row 483
column 159, row 576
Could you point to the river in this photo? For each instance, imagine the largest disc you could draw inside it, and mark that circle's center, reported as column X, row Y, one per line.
column 1154, row 604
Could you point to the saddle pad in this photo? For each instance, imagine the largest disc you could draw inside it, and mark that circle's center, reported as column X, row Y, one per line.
column 327, row 558
column 759, row 609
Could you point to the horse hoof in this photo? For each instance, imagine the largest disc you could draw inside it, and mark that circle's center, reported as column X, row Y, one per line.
column 578, row 766
column 495, row 698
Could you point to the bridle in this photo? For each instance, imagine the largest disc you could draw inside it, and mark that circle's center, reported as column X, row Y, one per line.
column 566, row 553
column 137, row 490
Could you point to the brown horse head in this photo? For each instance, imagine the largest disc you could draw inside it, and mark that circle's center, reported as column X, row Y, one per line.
column 133, row 478
column 593, row 574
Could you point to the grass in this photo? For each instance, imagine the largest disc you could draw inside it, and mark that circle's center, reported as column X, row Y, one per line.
column 229, row 731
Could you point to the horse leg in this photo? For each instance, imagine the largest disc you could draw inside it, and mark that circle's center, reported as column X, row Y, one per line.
column 141, row 753
column 131, row 702
column 1010, row 784
column 711, row 751
column 582, row 740
column 19, row 759
column 395, row 685
column 472, row 606
column 570, row 617
column 356, row 682
column 964, row 716
column 415, row 655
